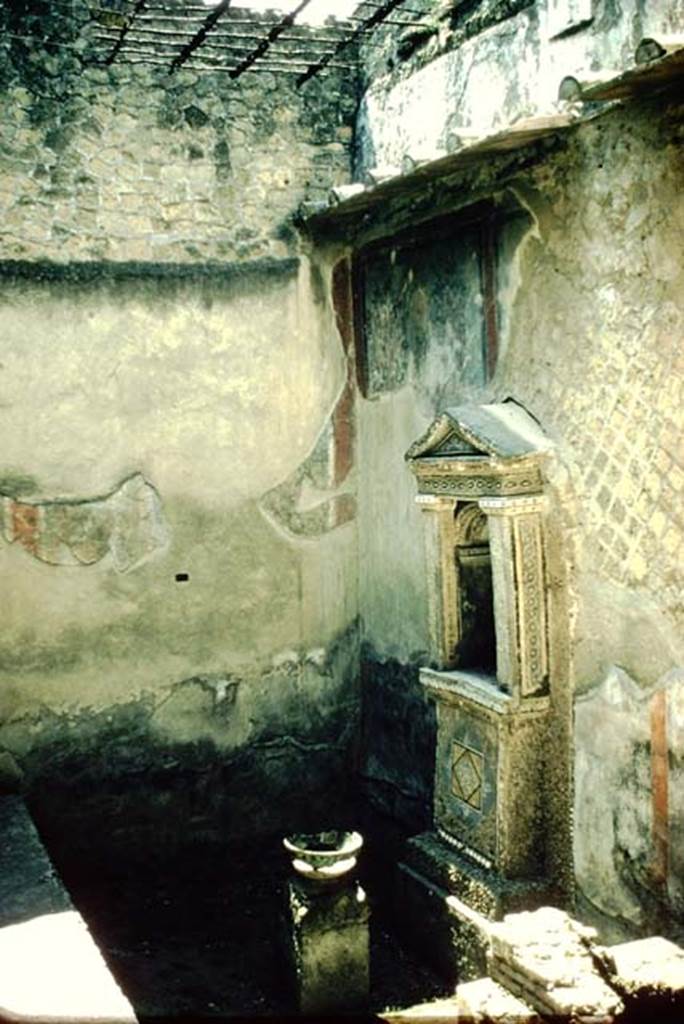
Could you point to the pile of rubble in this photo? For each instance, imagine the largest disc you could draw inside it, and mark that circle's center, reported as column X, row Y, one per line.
column 546, row 959
column 543, row 965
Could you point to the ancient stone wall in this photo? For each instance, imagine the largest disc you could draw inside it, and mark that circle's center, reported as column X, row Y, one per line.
column 127, row 162
column 180, row 612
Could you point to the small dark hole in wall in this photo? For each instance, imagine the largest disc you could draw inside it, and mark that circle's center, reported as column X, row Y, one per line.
column 182, row 577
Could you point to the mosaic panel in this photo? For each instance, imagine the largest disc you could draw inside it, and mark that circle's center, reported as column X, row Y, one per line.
column 467, row 775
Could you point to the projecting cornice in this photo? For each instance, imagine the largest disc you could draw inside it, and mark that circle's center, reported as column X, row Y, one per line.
column 480, row 450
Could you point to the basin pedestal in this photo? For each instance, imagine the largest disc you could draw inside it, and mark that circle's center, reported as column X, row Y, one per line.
column 329, row 946
column 326, row 924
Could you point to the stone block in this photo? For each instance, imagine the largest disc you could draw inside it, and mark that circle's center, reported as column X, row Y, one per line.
column 455, row 946
column 485, row 1000
column 648, row 971
column 546, row 958
column 327, row 936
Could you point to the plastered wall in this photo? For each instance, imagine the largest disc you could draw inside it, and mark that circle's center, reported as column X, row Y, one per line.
column 169, row 363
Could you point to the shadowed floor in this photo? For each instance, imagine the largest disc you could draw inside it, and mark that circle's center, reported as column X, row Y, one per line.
column 198, row 934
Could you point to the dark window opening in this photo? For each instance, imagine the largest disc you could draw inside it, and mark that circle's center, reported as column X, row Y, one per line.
column 476, row 648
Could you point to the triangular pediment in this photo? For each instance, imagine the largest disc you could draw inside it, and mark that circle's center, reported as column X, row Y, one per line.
column 503, row 431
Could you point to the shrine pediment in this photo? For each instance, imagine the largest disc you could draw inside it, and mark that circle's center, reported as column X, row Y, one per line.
column 479, row 450
column 503, row 430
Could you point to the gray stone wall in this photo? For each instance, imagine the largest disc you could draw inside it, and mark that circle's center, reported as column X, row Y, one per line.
column 126, row 162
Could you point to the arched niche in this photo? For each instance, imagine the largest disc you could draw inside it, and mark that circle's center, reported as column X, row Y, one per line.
column 475, row 645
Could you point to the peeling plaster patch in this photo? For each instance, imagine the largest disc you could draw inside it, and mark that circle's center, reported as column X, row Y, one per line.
column 287, row 660
column 316, row 657
column 629, row 817
column 281, row 506
column 308, row 503
column 222, row 688
column 127, row 524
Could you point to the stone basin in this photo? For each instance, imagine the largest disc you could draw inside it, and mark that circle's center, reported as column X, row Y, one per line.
column 324, row 856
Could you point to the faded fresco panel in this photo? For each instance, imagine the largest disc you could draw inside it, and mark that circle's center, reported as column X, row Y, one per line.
column 423, row 315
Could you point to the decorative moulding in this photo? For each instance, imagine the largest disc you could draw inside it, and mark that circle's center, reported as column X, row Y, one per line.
column 480, row 483
column 480, row 450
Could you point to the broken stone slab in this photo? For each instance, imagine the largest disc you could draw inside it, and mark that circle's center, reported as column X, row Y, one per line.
column 486, row 1000
column 545, row 957
column 647, row 969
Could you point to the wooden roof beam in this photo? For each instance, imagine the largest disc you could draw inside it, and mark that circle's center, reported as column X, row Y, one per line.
column 200, row 35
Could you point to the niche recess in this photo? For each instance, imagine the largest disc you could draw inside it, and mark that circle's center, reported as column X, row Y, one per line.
column 480, row 484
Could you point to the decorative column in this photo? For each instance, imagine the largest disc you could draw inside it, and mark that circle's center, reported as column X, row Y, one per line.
column 516, row 537
column 442, row 591
column 326, row 924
